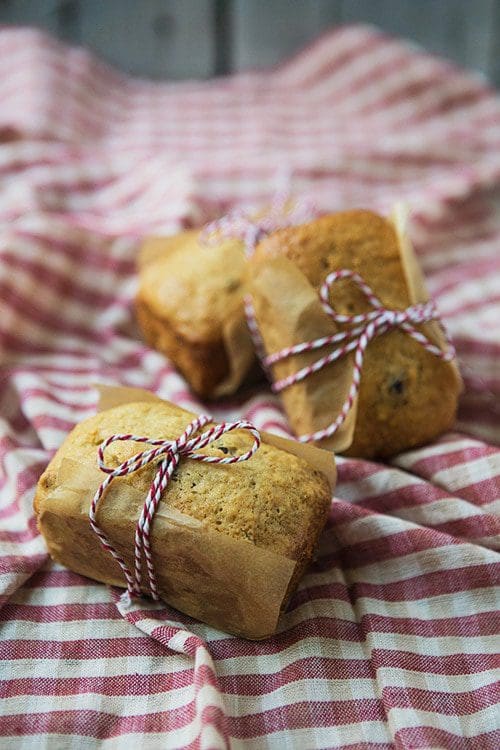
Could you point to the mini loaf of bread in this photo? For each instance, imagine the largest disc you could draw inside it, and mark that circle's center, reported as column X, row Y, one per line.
column 407, row 395
column 190, row 307
column 229, row 542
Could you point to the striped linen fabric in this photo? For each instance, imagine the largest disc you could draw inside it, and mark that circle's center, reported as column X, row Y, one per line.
column 392, row 638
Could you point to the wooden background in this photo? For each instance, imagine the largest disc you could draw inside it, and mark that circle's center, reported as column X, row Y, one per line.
column 201, row 38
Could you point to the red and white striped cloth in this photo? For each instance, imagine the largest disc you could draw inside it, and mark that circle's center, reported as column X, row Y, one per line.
column 391, row 640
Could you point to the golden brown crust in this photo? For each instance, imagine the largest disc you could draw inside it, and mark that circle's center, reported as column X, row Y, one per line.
column 203, row 364
column 407, row 395
column 188, row 295
column 275, row 500
column 359, row 240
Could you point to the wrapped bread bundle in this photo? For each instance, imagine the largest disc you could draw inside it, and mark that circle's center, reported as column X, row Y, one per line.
column 190, row 308
column 190, row 298
column 219, row 527
column 353, row 344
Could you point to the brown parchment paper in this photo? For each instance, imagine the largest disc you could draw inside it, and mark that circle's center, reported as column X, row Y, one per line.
column 230, row 584
column 153, row 248
column 289, row 312
column 240, row 354
column 415, row 281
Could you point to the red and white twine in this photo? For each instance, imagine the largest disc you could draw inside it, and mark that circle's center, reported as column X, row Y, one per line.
column 170, row 452
column 364, row 328
column 251, row 225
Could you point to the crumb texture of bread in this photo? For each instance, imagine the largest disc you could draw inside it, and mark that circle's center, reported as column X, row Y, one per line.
column 187, row 295
column 407, row 395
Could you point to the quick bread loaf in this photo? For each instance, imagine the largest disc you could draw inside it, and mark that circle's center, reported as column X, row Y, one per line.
column 230, row 543
column 190, row 307
column 407, row 395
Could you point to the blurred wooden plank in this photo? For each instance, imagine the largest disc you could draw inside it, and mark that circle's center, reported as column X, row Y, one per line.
column 265, row 33
column 57, row 17
column 494, row 50
column 481, row 34
column 459, row 30
column 42, row 12
column 200, row 38
column 223, row 37
column 174, row 39
column 437, row 25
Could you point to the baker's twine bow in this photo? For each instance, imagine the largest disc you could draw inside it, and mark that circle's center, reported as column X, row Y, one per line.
column 250, row 226
column 365, row 327
column 170, row 452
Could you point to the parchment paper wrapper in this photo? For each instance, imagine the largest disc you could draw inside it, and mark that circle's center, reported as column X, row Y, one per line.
column 288, row 312
column 240, row 354
column 153, row 248
column 228, row 583
column 234, row 333
column 415, row 281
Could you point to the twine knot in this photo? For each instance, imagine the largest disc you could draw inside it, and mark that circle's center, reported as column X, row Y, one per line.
column 250, row 225
column 363, row 328
column 169, row 453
